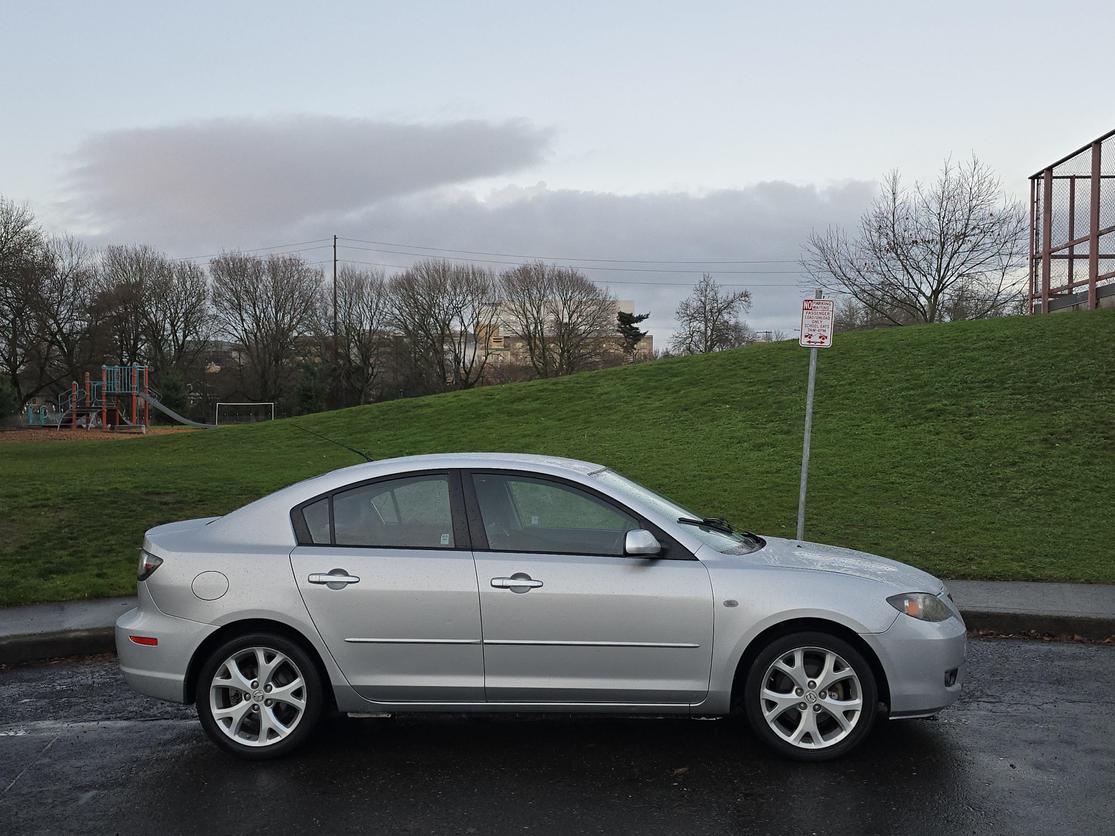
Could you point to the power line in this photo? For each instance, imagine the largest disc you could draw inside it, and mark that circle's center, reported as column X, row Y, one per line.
column 572, row 258
column 589, row 266
column 597, row 281
column 261, row 249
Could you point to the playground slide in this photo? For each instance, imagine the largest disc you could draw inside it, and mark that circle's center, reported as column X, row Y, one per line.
column 170, row 413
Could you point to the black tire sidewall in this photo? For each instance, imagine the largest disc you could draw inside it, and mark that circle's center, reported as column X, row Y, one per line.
column 315, row 695
column 754, row 683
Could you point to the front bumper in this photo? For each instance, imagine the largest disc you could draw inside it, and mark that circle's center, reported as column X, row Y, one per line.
column 917, row 657
column 157, row 671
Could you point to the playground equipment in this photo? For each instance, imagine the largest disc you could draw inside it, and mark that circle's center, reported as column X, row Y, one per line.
column 37, row 415
column 123, row 397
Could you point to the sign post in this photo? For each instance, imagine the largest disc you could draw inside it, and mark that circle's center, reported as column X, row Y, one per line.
column 816, row 332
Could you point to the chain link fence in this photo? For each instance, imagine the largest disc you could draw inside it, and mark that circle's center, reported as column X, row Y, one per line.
column 1072, row 230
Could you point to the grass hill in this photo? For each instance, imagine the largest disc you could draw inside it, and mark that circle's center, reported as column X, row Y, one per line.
column 973, row 450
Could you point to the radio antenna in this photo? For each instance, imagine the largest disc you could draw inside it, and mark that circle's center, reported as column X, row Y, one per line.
column 360, row 453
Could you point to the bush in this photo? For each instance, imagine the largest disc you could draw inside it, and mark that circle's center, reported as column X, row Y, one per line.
column 9, row 401
column 172, row 391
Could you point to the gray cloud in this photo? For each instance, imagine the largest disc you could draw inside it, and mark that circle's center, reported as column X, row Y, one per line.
column 764, row 221
column 222, row 179
column 201, row 187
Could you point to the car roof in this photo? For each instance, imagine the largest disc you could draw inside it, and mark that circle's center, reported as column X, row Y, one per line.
column 497, row 460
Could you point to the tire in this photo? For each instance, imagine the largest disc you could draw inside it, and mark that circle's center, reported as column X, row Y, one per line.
column 773, row 696
column 259, row 719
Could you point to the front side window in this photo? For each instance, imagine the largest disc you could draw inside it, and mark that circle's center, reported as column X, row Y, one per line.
column 522, row 514
column 411, row 512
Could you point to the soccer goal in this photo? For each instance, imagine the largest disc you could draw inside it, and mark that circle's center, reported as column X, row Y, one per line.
column 244, row 413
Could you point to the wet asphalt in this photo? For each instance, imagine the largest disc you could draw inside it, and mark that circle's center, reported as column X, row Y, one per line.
column 1030, row 749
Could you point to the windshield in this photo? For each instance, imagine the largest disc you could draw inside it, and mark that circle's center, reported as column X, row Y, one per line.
column 715, row 536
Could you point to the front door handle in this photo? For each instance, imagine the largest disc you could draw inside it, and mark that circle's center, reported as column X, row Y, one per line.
column 334, row 579
column 519, row 582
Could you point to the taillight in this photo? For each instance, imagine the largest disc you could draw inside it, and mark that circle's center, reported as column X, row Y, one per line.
column 148, row 563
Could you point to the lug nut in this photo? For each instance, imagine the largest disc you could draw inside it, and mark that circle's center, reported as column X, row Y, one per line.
column 823, row 694
column 255, row 707
column 268, row 703
column 798, row 692
column 801, row 706
column 267, row 688
column 255, row 683
column 816, row 707
column 812, row 684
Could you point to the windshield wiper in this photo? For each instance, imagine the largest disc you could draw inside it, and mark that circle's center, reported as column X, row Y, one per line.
column 715, row 523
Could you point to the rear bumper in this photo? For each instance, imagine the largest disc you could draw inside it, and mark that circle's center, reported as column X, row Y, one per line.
column 917, row 657
column 158, row 671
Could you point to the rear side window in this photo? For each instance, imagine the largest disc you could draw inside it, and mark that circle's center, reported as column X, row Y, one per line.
column 411, row 512
column 317, row 521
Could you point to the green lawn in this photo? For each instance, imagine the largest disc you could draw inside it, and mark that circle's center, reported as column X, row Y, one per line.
column 974, row 450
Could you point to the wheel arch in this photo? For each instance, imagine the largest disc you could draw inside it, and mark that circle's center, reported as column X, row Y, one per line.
column 798, row 625
column 244, row 627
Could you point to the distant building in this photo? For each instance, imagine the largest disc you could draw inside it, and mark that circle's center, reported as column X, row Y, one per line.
column 507, row 348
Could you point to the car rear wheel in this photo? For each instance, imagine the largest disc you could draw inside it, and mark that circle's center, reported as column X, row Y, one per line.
column 259, row 696
column 811, row 696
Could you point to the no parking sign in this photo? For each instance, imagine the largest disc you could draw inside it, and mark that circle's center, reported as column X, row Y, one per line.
column 816, row 323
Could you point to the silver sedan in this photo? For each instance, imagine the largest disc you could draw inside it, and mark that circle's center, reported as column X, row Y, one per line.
column 516, row 583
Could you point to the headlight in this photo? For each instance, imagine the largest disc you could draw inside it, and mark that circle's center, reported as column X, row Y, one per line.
column 921, row 605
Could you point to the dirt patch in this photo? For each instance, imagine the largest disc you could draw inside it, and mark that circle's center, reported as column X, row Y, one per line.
column 52, row 434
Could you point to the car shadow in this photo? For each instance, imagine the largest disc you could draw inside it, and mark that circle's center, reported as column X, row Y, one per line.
column 557, row 773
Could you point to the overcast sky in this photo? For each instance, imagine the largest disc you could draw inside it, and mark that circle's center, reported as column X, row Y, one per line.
column 633, row 131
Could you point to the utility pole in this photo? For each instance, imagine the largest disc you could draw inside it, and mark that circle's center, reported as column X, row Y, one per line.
column 336, row 355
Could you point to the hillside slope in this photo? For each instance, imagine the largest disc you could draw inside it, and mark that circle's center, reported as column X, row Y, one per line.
column 979, row 450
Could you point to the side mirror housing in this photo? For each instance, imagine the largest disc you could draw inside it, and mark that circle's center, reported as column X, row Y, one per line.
column 641, row 541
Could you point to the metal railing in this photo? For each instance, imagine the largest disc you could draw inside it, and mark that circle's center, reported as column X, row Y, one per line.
column 1072, row 229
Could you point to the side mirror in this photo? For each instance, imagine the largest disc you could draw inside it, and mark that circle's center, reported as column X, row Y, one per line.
column 641, row 541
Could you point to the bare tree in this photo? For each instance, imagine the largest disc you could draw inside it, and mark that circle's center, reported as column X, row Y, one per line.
column 947, row 250
column 19, row 235
column 709, row 319
column 22, row 357
column 178, row 322
column 526, row 299
column 264, row 306
column 363, row 307
column 124, row 274
column 45, row 292
column 583, row 320
column 446, row 312
column 65, row 309
column 565, row 322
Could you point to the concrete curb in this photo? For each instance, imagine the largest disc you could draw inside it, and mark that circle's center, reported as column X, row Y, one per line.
column 1060, row 626
column 37, row 647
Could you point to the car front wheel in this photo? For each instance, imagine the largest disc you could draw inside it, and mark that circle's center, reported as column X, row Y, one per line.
column 811, row 696
column 259, row 696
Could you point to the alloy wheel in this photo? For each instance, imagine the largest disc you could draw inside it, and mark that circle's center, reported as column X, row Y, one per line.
column 811, row 697
column 257, row 696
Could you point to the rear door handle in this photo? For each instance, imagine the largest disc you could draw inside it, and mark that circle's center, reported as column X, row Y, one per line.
column 519, row 582
column 334, row 579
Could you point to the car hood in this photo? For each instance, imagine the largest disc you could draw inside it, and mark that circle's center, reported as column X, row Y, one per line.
column 792, row 554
